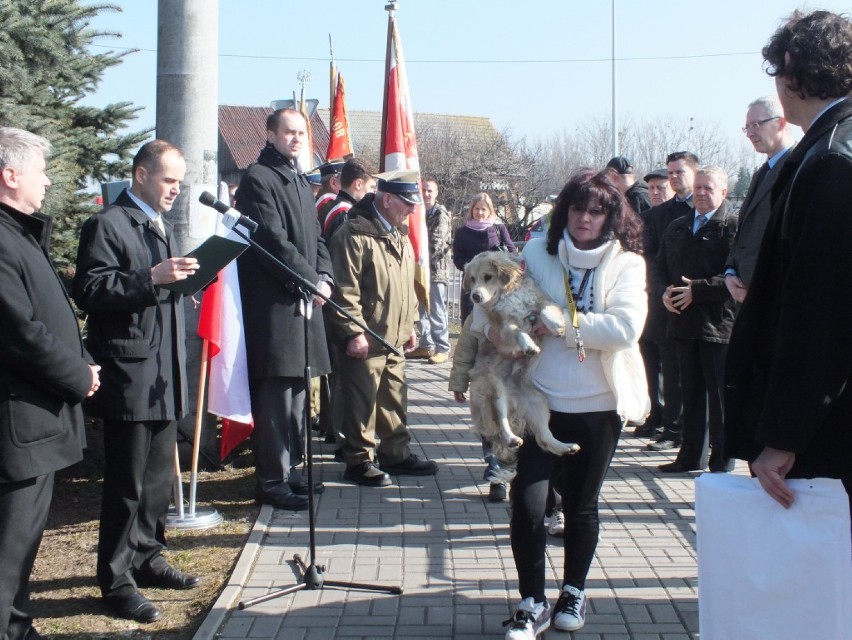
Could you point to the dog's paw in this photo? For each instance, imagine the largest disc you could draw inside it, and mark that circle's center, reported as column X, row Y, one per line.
column 527, row 344
column 514, row 442
column 569, row 448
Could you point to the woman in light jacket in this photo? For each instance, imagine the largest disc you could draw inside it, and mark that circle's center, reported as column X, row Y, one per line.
column 592, row 246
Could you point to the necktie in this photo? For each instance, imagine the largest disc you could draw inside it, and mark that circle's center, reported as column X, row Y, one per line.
column 700, row 221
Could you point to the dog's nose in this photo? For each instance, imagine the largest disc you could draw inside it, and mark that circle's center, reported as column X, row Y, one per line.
column 476, row 297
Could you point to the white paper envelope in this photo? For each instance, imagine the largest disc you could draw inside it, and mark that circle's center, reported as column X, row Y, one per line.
column 769, row 572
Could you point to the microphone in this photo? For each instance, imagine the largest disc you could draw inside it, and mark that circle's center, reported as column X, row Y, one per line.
column 230, row 217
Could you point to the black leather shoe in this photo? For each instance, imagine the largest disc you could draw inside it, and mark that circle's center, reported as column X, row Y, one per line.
column 367, row 474
column 283, row 500
column 646, row 430
column 133, row 606
column 411, row 466
column 664, row 443
column 300, row 488
column 169, row 578
column 676, row 467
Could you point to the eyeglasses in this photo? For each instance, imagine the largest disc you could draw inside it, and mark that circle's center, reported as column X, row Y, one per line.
column 753, row 126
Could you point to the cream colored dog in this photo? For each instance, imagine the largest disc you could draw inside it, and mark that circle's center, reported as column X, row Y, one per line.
column 505, row 406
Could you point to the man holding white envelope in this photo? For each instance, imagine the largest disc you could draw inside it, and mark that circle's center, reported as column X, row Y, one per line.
column 789, row 367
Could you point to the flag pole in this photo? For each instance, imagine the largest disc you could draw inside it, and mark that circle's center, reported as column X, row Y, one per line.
column 199, row 416
column 193, row 519
column 332, row 84
column 391, row 9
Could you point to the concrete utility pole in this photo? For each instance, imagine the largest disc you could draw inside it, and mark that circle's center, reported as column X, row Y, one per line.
column 187, row 104
column 188, row 116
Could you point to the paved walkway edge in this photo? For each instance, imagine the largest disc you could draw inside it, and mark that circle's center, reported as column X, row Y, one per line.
column 242, row 570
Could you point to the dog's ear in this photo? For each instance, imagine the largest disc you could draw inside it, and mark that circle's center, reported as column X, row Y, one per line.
column 509, row 271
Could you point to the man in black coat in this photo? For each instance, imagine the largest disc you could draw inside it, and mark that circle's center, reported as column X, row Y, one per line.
column 136, row 333
column 634, row 191
column 688, row 276
column 789, row 373
column 769, row 132
column 276, row 195
column 680, row 167
column 44, row 374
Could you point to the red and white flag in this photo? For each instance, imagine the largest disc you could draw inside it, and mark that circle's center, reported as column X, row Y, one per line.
column 400, row 151
column 340, row 140
column 221, row 325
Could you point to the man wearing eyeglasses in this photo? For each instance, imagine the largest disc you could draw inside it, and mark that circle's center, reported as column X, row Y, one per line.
column 788, row 374
column 768, row 131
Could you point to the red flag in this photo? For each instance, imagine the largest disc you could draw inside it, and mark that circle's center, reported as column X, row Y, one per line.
column 220, row 324
column 340, row 141
column 400, row 151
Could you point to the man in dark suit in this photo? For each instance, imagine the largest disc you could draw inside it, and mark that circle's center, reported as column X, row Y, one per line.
column 681, row 167
column 688, row 276
column 768, row 131
column 136, row 333
column 789, row 373
column 44, row 374
column 275, row 193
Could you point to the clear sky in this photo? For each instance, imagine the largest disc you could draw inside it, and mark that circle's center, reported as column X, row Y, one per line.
column 535, row 68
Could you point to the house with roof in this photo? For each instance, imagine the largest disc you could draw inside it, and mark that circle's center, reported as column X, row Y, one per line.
column 466, row 154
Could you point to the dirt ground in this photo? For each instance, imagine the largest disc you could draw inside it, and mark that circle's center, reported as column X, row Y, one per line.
column 65, row 597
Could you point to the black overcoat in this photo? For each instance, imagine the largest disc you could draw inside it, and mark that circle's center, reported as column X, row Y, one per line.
column 655, row 221
column 281, row 202
column 135, row 329
column 44, row 372
column 789, row 368
column 701, row 258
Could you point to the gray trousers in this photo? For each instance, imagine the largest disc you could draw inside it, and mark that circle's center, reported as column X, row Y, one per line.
column 278, row 409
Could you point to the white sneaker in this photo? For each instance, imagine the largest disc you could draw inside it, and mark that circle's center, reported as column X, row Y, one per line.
column 531, row 619
column 556, row 525
column 570, row 610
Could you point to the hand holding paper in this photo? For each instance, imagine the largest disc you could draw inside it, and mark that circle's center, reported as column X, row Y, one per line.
column 771, row 467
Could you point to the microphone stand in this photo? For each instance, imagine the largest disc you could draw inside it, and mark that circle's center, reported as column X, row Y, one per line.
column 311, row 576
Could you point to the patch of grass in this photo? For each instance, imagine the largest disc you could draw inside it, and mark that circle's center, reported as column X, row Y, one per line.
column 66, row 599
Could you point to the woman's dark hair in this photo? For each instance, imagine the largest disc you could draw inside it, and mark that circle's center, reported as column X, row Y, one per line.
column 820, row 48
column 584, row 188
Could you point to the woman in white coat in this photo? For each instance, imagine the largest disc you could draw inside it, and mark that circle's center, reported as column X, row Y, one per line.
column 592, row 249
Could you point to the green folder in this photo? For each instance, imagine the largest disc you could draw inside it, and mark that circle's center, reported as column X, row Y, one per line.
column 213, row 255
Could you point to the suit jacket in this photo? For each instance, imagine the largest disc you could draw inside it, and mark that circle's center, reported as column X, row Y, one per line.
column 135, row 329
column 281, row 202
column 44, row 372
column 701, row 258
column 655, row 222
column 754, row 214
column 789, row 367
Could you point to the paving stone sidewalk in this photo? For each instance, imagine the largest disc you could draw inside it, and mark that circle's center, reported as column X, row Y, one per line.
column 448, row 548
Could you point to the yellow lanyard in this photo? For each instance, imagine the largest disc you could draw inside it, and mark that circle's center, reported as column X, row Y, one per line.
column 575, row 319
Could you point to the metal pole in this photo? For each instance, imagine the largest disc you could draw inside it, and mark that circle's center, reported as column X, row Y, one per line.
column 614, row 89
column 391, row 9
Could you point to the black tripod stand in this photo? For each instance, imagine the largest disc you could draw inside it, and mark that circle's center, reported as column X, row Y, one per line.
column 311, row 575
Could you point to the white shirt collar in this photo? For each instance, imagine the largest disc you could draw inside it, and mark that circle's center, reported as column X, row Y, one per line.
column 146, row 208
